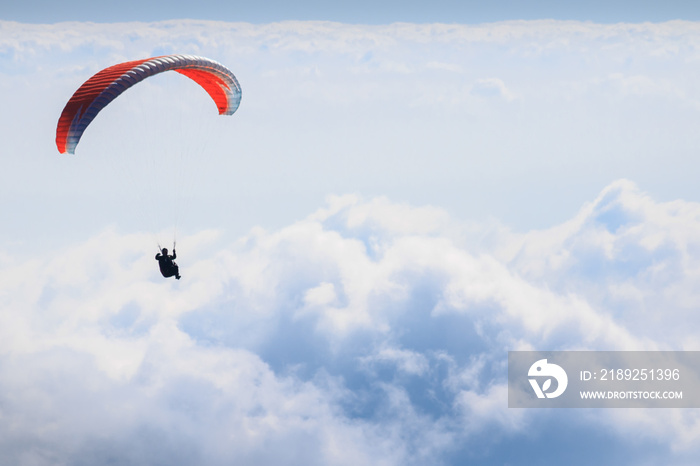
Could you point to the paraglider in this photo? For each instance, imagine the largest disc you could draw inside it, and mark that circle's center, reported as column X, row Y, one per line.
column 166, row 262
column 106, row 85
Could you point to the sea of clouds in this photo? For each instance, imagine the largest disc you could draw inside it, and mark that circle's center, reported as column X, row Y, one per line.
column 369, row 332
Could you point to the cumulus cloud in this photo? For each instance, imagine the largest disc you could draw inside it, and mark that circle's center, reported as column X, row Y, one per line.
column 629, row 255
column 366, row 333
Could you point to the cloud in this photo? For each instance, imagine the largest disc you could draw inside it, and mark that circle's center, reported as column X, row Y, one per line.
column 492, row 87
column 366, row 333
column 627, row 254
column 409, row 362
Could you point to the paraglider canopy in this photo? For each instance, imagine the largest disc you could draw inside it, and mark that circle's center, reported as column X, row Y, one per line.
column 106, row 85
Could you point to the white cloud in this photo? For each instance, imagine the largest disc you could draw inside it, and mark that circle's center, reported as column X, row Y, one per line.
column 410, row 362
column 492, row 87
column 629, row 255
column 313, row 341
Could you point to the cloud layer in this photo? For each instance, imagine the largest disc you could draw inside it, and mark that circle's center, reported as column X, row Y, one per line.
column 370, row 332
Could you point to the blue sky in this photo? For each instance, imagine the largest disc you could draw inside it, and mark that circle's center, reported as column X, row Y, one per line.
column 391, row 210
column 361, row 12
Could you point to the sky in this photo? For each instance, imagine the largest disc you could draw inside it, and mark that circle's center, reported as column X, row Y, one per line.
column 404, row 196
column 357, row 12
